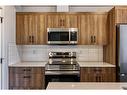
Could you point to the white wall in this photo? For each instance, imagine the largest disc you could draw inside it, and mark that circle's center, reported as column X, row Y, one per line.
column 35, row 8
column 8, row 38
column 71, row 8
column 90, row 8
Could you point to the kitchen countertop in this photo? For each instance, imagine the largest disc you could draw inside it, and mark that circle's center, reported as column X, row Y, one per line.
column 94, row 64
column 42, row 64
column 86, row 86
column 29, row 64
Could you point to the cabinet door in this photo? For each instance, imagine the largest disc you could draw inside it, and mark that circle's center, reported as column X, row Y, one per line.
column 19, row 28
column 94, row 30
column 52, row 21
column 72, row 21
column 93, row 74
column 57, row 21
column 62, row 21
column 102, row 29
column 99, row 29
column 85, row 33
column 37, row 80
column 30, row 29
column 108, row 75
column 42, row 32
column 22, row 30
column 120, row 15
column 26, row 78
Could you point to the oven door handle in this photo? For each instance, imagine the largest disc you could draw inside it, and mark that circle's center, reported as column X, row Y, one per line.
column 62, row 72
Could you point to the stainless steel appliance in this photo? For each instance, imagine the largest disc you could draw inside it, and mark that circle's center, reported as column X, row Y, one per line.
column 121, row 57
column 62, row 67
column 62, row 35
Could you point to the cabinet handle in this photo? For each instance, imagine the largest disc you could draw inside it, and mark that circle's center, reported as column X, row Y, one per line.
column 96, row 78
column 94, row 39
column 32, row 39
column 60, row 22
column 26, row 76
column 27, row 70
column 99, row 78
column 91, row 39
column 63, row 22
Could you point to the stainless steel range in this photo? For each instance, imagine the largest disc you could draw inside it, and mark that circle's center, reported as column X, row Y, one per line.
column 62, row 67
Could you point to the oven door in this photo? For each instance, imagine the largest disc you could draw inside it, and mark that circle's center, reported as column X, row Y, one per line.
column 58, row 37
column 61, row 78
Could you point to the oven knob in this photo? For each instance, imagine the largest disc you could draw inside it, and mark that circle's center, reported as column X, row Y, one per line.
column 50, row 54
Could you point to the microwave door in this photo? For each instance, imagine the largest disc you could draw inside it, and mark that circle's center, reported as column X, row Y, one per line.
column 53, row 36
column 64, row 36
column 58, row 37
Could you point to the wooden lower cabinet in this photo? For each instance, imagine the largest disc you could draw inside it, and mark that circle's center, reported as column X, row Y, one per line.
column 97, row 74
column 26, row 78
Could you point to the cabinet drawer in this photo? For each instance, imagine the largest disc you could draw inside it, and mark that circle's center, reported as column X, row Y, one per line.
column 96, row 70
column 23, row 70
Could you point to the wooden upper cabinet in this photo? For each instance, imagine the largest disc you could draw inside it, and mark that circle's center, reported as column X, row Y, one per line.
column 62, row 20
column 120, row 15
column 19, row 28
column 101, row 30
column 42, row 35
column 57, row 21
column 30, row 29
column 85, row 35
column 93, row 29
column 73, row 20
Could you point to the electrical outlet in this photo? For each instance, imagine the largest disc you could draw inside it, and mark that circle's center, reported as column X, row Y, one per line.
column 34, row 51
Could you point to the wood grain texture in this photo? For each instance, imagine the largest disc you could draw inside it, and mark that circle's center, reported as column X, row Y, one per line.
column 30, row 29
column 94, row 29
column 97, row 74
column 120, row 14
column 26, row 78
column 109, row 51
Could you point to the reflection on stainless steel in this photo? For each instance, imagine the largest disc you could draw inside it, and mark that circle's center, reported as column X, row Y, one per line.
column 61, row 62
column 62, row 67
column 50, row 72
column 122, row 51
column 62, row 36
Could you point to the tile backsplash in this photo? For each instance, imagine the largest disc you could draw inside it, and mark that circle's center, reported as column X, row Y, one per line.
column 13, row 53
column 40, row 52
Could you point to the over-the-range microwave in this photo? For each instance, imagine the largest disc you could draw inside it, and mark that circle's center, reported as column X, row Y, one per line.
column 63, row 36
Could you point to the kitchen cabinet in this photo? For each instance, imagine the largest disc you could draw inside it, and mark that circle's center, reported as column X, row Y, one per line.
column 73, row 20
column 64, row 20
column 120, row 15
column 30, row 28
column 57, row 21
column 97, row 74
column 94, row 29
column 26, row 78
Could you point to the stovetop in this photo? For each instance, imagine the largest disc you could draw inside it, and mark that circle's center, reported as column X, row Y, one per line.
column 66, row 62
